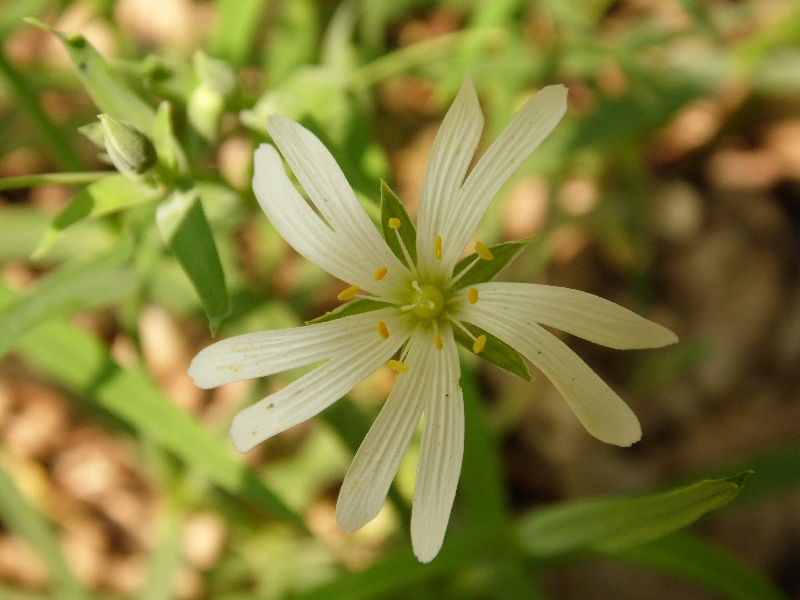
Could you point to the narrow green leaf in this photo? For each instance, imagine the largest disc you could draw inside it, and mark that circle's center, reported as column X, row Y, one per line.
column 615, row 524
column 109, row 92
column 72, row 288
column 103, row 197
column 186, row 231
column 25, row 520
column 486, row 270
column 83, row 365
column 356, row 307
column 697, row 560
column 391, row 207
column 496, row 351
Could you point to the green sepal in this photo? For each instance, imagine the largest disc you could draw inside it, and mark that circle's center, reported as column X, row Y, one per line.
column 356, row 307
column 496, row 351
column 486, row 270
column 616, row 524
column 185, row 229
column 391, row 207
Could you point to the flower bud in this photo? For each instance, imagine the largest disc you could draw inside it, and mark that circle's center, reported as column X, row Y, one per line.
column 128, row 148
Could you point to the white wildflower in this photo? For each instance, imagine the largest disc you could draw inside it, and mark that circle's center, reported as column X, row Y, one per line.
column 424, row 305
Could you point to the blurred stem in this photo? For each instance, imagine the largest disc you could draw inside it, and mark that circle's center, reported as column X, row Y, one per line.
column 79, row 178
column 54, row 137
column 439, row 48
column 27, row 522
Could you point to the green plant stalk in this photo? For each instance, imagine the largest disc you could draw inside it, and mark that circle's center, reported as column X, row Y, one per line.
column 78, row 178
column 57, row 142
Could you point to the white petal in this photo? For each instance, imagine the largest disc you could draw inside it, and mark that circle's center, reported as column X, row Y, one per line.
column 267, row 352
column 452, row 152
column 440, row 456
column 314, row 392
column 327, row 187
column 305, row 231
column 599, row 409
column 526, row 131
column 375, row 464
column 584, row 315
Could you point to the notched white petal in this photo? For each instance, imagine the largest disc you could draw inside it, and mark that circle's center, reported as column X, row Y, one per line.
column 452, row 152
column 375, row 464
column 267, row 352
column 329, row 191
column 579, row 313
column 601, row 411
column 314, row 392
column 307, row 233
column 534, row 122
column 440, row 457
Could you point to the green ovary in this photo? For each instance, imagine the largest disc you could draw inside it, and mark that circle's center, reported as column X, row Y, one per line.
column 428, row 302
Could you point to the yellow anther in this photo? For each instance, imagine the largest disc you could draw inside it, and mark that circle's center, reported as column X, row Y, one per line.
column 348, row 293
column 437, row 247
column 396, row 365
column 383, row 331
column 394, row 223
column 483, row 251
column 479, row 344
column 380, row 273
column 437, row 340
column 472, row 295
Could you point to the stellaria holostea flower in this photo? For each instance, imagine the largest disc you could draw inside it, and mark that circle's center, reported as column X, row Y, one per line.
column 417, row 301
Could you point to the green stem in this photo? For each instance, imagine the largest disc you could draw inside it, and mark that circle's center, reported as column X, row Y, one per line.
column 11, row 183
column 54, row 137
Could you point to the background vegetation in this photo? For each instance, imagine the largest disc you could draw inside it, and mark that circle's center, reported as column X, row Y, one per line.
column 671, row 187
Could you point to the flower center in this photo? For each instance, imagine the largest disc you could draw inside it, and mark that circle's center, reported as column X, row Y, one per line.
column 427, row 301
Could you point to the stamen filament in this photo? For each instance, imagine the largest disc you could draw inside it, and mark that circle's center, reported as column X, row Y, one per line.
column 463, row 272
column 461, row 326
column 394, row 223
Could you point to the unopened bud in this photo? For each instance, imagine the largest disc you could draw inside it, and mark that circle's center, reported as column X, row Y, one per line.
column 128, row 148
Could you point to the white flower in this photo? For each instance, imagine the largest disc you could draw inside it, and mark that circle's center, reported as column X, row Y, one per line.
column 420, row 313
